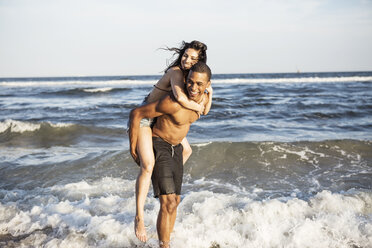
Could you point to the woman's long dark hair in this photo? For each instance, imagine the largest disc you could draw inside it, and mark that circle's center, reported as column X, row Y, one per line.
column 197, row 45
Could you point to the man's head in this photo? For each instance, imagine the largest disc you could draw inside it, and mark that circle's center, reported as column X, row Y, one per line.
column 198, row 80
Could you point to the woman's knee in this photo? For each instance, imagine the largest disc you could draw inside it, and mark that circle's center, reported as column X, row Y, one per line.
column 187, row 150
column 147, row 166
column 144, row 149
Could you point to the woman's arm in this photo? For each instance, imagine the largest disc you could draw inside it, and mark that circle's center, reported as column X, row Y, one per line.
column 178, row 86
column 209, row 104
column 134, row 123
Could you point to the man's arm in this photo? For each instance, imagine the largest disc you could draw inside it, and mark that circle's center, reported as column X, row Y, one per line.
column 151, row 110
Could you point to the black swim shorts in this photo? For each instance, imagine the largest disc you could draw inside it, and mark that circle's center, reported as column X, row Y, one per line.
column 168, row 170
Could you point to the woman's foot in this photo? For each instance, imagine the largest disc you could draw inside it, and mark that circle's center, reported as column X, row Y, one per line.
column 139, row 228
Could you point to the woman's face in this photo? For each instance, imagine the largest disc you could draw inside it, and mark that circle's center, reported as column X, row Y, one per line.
column 189, row 58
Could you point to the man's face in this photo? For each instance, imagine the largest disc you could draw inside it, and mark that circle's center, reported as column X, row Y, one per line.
column 196, row 84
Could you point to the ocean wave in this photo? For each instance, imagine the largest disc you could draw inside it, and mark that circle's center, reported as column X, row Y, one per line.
column 277, row 168
column 15, row 126
column 248, row 153
column 83, row 91
column 101, row 212
column 232, row 80
column 304, row 166
column 107, row 89
column 45, row 134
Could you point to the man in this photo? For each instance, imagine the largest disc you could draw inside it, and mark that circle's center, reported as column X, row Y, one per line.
column 172, row 125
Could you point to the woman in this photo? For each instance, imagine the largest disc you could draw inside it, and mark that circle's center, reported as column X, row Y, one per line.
column 173, row 81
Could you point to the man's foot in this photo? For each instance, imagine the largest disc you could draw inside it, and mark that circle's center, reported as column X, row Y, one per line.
column 139, row 229
column 164, row 244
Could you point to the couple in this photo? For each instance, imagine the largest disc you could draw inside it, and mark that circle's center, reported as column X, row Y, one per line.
column 160, row 147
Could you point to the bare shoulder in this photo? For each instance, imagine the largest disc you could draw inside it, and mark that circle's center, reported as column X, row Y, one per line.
column 168, row 104
column 172, row 73
column 175, row 71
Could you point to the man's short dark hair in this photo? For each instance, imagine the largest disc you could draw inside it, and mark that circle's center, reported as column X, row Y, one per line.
column 202, row 67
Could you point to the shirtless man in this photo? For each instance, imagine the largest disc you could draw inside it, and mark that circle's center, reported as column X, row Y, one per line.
column 172, row 125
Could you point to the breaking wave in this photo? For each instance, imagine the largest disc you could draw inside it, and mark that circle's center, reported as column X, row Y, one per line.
column 46, row 134
column 100, row 213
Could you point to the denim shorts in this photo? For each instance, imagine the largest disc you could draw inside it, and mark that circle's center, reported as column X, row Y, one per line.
column 145, row 122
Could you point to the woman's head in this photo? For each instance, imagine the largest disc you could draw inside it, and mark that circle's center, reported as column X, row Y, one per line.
column 189, row 54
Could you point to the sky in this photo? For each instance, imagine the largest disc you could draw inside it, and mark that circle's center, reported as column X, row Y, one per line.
column 45, row 38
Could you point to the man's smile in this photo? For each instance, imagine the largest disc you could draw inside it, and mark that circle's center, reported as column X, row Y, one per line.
column 193, row 93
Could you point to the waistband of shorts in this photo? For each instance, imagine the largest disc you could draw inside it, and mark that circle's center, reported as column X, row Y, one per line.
column 160, row 139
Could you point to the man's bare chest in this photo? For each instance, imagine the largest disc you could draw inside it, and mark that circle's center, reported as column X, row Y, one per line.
column 184, row 117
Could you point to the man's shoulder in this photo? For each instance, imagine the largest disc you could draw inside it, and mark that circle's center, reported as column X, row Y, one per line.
column 169, row 102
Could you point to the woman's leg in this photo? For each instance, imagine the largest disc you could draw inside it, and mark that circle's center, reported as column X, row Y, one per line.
column 186, row 150
column 146, row 154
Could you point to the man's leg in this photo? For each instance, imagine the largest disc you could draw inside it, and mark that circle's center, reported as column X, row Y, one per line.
column 168, row 209
column 174, row 215
column 146, row 155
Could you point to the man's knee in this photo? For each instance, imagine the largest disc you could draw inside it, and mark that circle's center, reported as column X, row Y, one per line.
column 178, row 200
column 170, row 204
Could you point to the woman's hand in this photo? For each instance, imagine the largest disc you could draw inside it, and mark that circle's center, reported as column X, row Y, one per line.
column 133, row 152
column 209, row 89
column 201, row 110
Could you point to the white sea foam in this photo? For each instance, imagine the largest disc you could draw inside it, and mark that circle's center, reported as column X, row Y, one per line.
column 215, row 81
column 100, row 214
column 202, row 144
column 18, row 126
column 328, row 220
column 301, row 154
column 23, row 126
column 98, row 90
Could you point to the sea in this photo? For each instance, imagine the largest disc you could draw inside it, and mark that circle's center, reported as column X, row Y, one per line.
column 281, row 160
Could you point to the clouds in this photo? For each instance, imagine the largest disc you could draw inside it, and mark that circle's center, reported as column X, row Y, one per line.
column 58, row 38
